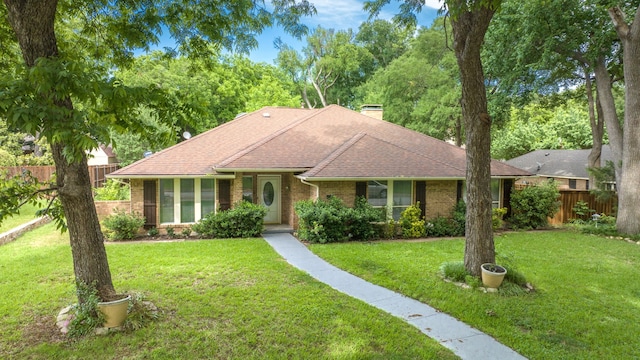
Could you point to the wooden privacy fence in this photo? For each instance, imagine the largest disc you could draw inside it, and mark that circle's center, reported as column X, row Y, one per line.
column 97, row 173
column 569, row 198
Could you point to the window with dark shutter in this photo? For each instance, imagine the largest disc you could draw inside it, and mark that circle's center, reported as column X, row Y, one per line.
column 421, row 196
column 361, row 189
column 224, row 193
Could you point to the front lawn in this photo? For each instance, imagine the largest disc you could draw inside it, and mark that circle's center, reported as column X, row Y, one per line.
column 586, row 304
column 219, row 299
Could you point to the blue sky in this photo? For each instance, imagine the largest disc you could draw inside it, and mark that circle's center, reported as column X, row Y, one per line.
column 334, row 14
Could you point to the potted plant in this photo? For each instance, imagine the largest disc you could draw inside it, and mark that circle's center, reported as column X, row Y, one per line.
column 115, row 310
column 492, row 275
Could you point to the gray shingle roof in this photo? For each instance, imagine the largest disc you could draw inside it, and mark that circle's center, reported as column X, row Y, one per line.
column 558, row 163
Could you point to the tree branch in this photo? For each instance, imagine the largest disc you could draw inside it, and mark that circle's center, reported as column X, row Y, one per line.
column 617, row 16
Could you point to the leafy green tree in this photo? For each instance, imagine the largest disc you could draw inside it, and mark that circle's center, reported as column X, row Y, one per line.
column 421, row 89
column 209, row 92
column 330, row 63
column 68, row 61
column 385, row 41
column 541, row 125
column 469, row 20
column 564, row 44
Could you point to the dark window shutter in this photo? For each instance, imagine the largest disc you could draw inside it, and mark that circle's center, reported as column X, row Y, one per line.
column 459, row 191
column 507, row 186
column 361, row 189
column 421, row 196
column 150, row 209
column 224, row 194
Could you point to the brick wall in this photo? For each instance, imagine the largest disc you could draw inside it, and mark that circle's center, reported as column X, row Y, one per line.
column 137, row 196
column 441, row 198
column 345, row 190
column 106, row 208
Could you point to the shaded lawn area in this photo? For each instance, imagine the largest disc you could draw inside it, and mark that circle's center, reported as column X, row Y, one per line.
column 219, row 299
column 586, row 304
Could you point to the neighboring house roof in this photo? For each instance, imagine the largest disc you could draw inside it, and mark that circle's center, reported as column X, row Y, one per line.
column 327, row 143
column 559, row 163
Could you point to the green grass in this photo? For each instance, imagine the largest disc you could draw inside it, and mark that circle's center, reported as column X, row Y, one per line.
column 586, row 304
column 27, row 213
column 219, row 299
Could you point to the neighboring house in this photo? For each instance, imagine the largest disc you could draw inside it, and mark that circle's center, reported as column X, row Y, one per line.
column 567, row 167
column 103, row 155
column 278, row 156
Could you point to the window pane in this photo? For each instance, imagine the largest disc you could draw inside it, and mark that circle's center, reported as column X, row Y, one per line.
column 247, row 188
column 401, row 197
column 495, row 193
column 187, row 201
column 166, row 200
column 401, row 193
column 377, row 193
column 207, row 196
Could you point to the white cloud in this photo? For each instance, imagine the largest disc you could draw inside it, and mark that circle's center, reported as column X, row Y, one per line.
column 338, row 14
column 434, row 4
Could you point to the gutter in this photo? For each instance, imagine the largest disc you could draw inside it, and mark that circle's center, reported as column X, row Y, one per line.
column 312, row 185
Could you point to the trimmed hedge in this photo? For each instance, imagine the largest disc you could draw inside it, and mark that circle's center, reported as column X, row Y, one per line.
column 331, row 221
column 123, row 226
column 243, row 220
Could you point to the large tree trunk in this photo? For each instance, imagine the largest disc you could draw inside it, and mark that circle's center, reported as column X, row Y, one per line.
column 469, row 28
column 628, row 221
column 606, row 101
column 33, row 23
column 597, row 127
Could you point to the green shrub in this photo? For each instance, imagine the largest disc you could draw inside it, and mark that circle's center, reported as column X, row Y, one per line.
column 140, row 313
column 171, row 232
column 496, row 217
column 322, row 221
column 413, row 226
column 531, row 206
column 243, row 220
column 389, row 229
column 459, row 217
column 113, row 190
column 449, row 226
column 153, row 232
column 186, row 232
column 332, row 221
column 85, row 315
column 361, row 220
column 581, row 208
column 123, row 226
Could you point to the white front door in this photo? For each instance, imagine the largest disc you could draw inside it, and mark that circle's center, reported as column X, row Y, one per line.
column 269, row 196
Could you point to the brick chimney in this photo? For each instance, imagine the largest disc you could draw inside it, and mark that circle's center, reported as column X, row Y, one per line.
column 373, row 110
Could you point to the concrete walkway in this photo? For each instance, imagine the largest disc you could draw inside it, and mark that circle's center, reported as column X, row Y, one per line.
column 463, row 340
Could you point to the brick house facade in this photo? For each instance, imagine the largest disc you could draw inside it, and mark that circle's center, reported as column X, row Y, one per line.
column 277, row 156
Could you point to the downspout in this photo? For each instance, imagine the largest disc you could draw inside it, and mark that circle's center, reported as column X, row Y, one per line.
column 312, row 185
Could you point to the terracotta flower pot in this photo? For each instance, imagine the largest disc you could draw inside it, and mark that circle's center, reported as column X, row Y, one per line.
column 492, row 275
column 115, row 312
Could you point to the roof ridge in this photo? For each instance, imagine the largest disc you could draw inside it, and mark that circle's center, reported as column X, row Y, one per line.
column 337, row 152
column 268, row 138
column 419, row 154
